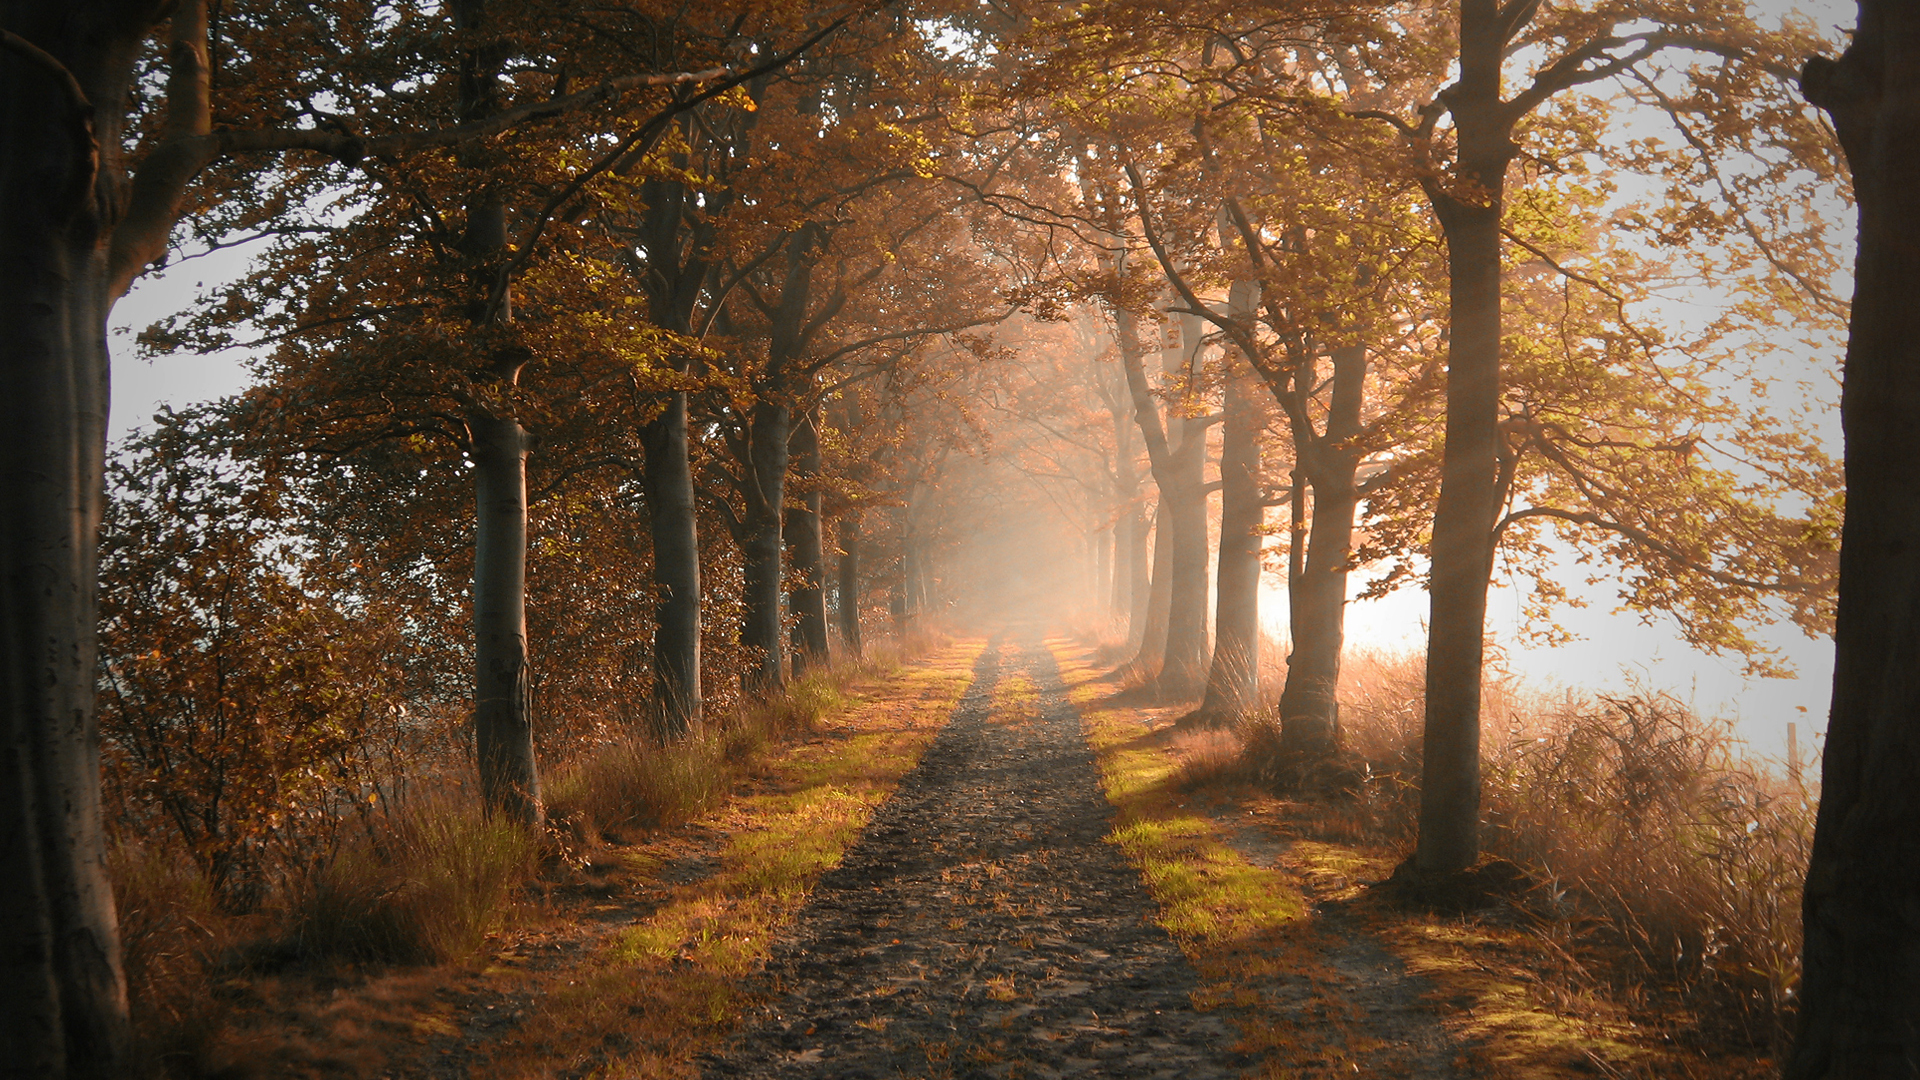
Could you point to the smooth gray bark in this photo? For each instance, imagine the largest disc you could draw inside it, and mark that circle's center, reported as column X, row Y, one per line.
column 1173, row 644
column 848, row 583
column 502, row 691
column 762, row 545
column 1309, row 705
column 807, row 550
column 1153, row 628
column 1183, row 668
column 673, row 522
column 1233, row 680
column 64, row 77
column 1462, row 547
column 678, row 246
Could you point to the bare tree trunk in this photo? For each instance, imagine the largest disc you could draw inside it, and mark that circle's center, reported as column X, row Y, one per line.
column 1184, row 662
column 766, row 491
column 1102, row 541
column 1139, row 576
column 1153, row 635
column 1173, row 561
column 502, row 698
column 63, row 96
column 1463, row 520
column 1233, row 682
column 1310, row 706
column 849, row 583
column 1860, row 991
column 1130, row 574
column 1184, row 494
column 674, row 523
column 809, row 598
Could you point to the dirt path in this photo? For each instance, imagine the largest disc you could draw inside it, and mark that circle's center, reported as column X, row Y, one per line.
column 981, row 926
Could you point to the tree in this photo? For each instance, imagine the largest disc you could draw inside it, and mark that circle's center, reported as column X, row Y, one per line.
column 83, row 219
column 1860, row 988
column 1465, row 177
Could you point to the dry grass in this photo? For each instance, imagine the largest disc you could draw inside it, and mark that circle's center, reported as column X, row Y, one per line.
column 428, row 888
column 1669, row 863
column 427, row 880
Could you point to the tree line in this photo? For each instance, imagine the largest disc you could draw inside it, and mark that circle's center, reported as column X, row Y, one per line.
column 612, row 360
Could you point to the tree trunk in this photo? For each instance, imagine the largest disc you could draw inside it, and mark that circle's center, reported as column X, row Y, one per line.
column 62, row 991
column 672, row 518
column 1172, row 540
column 502, row 698
column 1233, row 682
column 1184, row 494
column 849, row 583
column 766, row 490
column 1309, row 706
column 1153, row 633
column 1102, row 541
column 809, row 598
column 1860, row 990
column 1139, row 575
column 1184, row 662
column 1130, row 581
column 1463, row 520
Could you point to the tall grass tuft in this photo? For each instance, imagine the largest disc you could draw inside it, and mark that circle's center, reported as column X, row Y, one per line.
column 427, row 888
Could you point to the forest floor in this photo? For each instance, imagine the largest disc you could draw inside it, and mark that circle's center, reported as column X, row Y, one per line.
column 988, row 865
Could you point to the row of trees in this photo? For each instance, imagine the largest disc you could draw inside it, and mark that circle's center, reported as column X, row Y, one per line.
column 656, row 276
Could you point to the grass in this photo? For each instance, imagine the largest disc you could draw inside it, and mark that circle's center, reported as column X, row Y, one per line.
column 430, row 885
column 1662, row 935
column 653, row 996
column 1229, row 915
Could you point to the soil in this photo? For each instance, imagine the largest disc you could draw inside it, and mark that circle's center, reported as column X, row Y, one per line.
column 983, row 928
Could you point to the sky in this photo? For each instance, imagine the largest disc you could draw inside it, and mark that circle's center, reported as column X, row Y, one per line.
column 140, row 386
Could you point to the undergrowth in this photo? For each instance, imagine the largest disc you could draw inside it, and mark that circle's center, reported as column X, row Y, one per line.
column 1668, row 863
column 425, row 877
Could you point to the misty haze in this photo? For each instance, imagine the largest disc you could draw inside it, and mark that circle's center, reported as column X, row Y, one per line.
column 932, row 539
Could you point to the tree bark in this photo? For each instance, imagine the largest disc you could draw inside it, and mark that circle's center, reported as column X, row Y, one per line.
column 1130, row 573
column 1172, row 517
column 1102, row 541
column 674, row 524
column 1183, row 492
column 1233, row 681
column 64, row 77
column 809, row 598
column 1860, row 989
column 1462, row 549
column 1310, row 706
column 848, row 585
column 762, row 547
column 1153, row 632
column 502, row 698
column 1139, row 574
column 678, row 246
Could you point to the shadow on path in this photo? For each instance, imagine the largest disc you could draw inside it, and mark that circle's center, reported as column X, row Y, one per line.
column 982, row 927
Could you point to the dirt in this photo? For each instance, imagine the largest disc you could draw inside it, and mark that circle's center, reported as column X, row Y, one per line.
column 981, row 926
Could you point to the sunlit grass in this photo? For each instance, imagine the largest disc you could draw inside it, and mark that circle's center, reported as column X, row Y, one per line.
column 1211, row 897
column 667, row 988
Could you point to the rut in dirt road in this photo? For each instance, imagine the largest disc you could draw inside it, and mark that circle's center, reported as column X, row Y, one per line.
column 981, row 927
